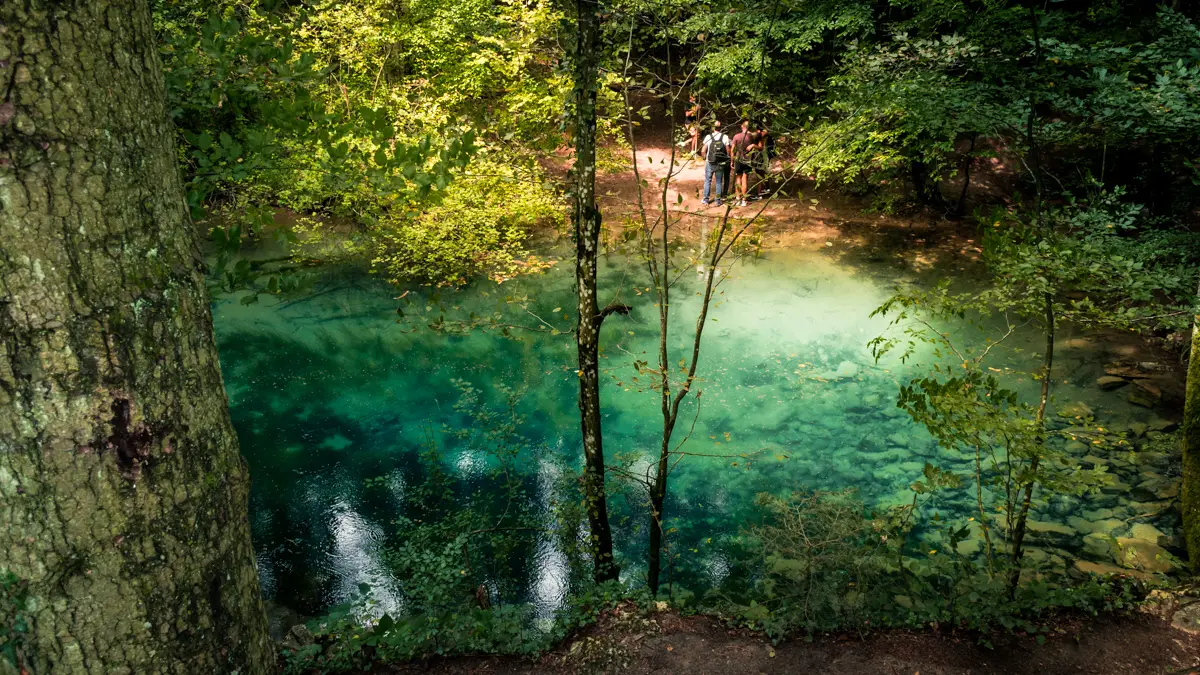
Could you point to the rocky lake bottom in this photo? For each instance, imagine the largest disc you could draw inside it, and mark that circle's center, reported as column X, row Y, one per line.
column 347, row 383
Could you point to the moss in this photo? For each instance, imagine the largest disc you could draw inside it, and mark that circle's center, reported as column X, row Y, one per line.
column 103, row 302
column 1190, row 495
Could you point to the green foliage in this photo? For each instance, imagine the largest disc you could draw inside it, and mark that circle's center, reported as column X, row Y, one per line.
column 369, row 114
column 346, row 641
column 828, row 564
column 14, row 618
column 479, row 229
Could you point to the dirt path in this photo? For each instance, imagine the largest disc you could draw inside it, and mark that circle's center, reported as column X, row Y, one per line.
column 667, row 643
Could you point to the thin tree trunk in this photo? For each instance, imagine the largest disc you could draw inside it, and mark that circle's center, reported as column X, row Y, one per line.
column 587, row 238
column 962, row 196
column 123, row 498
column 1048, row 313
column 1191, row 449
column 1027, row 499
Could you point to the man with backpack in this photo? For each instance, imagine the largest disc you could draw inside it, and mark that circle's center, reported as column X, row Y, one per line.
column 716, row 163
column 743, row 152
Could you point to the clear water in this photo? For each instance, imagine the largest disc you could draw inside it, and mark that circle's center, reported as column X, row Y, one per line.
column 332, row 389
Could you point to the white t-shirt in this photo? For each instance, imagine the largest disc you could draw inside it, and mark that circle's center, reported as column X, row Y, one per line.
column 723, row 138
column 717, row 135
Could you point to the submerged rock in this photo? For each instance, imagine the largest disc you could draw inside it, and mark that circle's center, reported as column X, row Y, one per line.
column 1160, row 424
column 1106, row 526
column 1089, row 567
column 1099, row 546
column 1110, row 382
column 1077, row 409
column 1048, row 531
column 1145, row 555
column 846, row 369
column 1139, row 399
column 1147, row 532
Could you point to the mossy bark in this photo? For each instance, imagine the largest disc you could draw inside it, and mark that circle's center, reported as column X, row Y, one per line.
column 587, row 244
column 123, row 498
column 1190, row 494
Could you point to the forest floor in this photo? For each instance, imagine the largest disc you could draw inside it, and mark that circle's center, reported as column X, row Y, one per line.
column 626, row 641
column 800, row 215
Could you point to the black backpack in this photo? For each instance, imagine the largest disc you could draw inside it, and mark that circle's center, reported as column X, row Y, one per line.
column 717, row 152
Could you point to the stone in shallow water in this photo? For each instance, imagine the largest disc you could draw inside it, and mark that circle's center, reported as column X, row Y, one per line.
column 1159, row 424
column 1099, row 545
column 1147, row 532
column 1077, row 409
column 1137, row 398
column 1089, row 567
column 1116, row 488
column 846, row 369
column 1110, row 382
column 1076, row 447
column 1143, row 555
column 1048, row 531
column 1106, row 526
column 1099, row 514
column 1169, row 490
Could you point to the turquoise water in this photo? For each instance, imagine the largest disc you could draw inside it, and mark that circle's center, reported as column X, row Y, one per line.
column 338, row 387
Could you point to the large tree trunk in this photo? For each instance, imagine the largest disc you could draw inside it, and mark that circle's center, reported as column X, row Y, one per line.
column 587, row 335
column 123, row 497
column 1191, row 450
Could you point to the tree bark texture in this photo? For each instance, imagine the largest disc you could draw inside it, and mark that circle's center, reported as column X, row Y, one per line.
column 1190, row 496
column 587, row 242
column 123, row 498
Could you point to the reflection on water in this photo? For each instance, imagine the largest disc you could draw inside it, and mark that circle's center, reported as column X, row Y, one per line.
column 330, row 390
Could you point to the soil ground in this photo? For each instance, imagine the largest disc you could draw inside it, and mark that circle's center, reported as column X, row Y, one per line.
column 667, row 643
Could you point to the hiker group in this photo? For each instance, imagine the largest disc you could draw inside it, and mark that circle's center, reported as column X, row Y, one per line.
column 745, row 158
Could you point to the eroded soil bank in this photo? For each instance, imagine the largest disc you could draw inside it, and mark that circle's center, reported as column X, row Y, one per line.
column 626, row 641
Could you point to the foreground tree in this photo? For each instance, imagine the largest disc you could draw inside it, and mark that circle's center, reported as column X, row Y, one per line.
column 587, row 334
column 1191, row 450
column 124, row 539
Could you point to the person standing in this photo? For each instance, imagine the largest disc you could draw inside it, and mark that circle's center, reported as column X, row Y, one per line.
column 766, row 153
column 716, row 164
column 743, row 144
column 692, row 119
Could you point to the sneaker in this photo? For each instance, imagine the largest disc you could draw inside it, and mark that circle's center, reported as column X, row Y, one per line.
column 741, row 202
column 704, row 202
column 720, row 203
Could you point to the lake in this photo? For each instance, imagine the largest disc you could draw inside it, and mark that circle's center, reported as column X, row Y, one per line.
column 336, row 387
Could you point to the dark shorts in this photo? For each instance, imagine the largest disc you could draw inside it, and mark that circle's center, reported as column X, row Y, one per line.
column 741, row 168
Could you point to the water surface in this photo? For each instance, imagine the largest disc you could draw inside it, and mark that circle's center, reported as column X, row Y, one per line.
column 337, row 387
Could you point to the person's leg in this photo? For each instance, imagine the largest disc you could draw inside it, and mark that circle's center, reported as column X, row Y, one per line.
column 725, row 179
column 708, row 178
